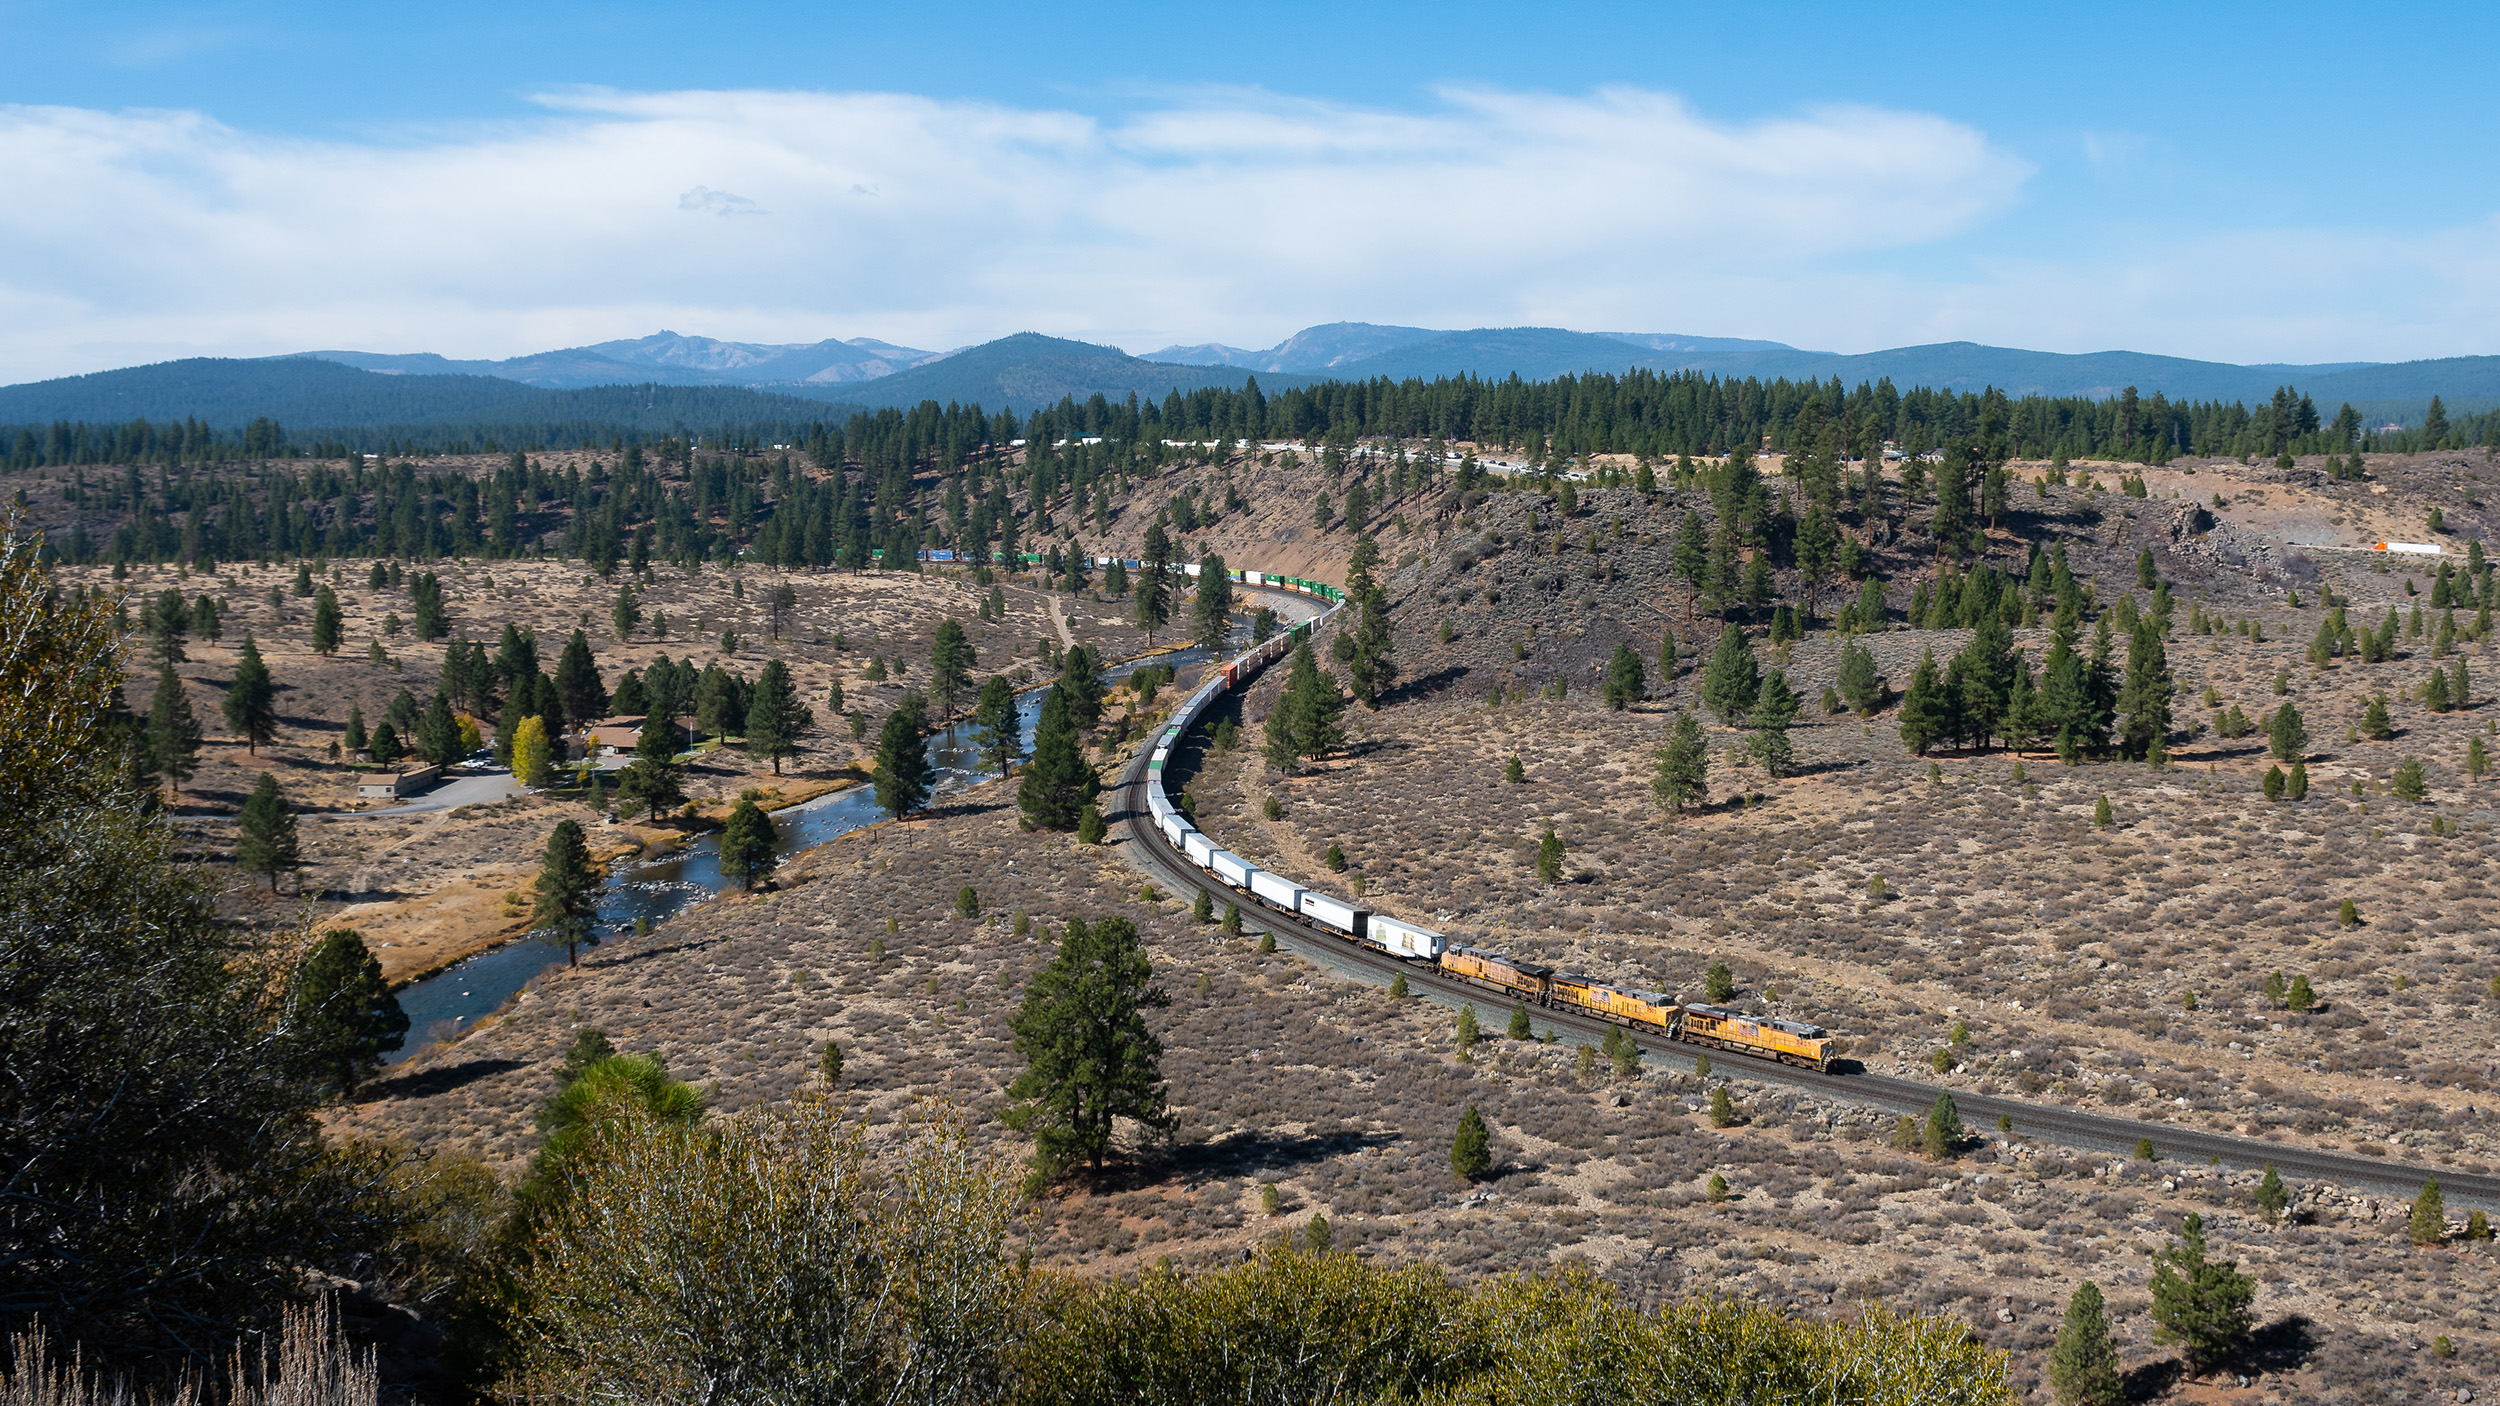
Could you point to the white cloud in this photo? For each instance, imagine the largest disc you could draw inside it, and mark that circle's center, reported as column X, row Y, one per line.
column 1232, row 215
column 1216, row 215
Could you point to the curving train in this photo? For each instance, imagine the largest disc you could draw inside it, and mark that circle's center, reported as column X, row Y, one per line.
column 1786, row 1041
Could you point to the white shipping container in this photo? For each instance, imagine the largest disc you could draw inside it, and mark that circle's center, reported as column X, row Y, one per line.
column 1162, row 754
column 1344, row 917
column 1254, row 578
column 1406, row 939
column 1198, row 847
column 1231, row 868
column 1174, row 828
column 1277, row 889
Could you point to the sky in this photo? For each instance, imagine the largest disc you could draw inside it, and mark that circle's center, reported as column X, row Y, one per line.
column 2280, row 183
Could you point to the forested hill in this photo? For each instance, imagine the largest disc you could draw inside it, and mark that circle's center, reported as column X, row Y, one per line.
column 228, row 393
column 1029, row 371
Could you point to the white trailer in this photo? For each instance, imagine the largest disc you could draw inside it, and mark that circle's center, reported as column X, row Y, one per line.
column 1197, row 847
column 1174, row 828
column 1405, row 939
column 1277, row 889
column 1232, row 868
column 1344, row 917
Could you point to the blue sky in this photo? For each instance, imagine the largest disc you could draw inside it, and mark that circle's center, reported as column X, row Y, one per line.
column 2288, row 182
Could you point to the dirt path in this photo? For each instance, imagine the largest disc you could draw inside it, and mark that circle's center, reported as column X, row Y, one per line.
column 1059, row 622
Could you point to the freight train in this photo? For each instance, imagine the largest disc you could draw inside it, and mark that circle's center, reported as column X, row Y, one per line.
column 1786, row 1041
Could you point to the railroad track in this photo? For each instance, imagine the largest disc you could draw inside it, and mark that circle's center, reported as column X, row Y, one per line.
column 1145, row 849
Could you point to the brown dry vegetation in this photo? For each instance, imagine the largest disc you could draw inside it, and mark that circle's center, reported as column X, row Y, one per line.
column 2068, row 949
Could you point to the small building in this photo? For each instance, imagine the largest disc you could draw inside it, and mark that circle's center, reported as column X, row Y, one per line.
column 406, row 783
column 621, row 733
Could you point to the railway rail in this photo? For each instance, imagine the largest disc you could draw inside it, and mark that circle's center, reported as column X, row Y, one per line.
column 1144, row 848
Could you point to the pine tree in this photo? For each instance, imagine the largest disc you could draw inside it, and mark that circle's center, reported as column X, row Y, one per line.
column 567, row 906
column 2144, row 699
column 1722, row 1108
column 1858, row 683
column 2199, row 1304
column 996, row 731
column 265, row 840
column 2296, row 781
column 251, row 707
column 1624, row 684
column 1925, row 716
column 427, row 596
column 1365, row 646
column 584, row 697
column 748, row 844
column 903, row 775
column 171, row 738
column 2375, row 724
column 1058, row 781
column 325, row 624
column 2429, row 1223
column 1682, row 776
column 1520, row 1027
column 2477, row 760
column 776, row 719
column 1775, row 708
column 1212, row 611
column 2287, row 735
column 345, row 1013
column 2083, row 1365
column 2271, row 1197
column 385, row 749
column 1090, row 1057
column 1731, row 683
column 2410, row 780
column 950, row 669
column 1549, row 857
column 1091, row 828
column 1463, row 1027
column 1943, row 1131
column 1471, row 1150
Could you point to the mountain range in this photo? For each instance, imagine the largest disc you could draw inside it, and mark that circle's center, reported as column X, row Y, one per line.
column 832, row 378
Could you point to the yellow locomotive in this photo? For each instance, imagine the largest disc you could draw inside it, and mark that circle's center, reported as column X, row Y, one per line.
column 1788, row 1041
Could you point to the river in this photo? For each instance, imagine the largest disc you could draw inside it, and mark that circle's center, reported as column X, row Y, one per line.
column 655, row 890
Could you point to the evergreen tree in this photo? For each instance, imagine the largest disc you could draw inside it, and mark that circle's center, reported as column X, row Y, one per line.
column 1943, row 1130
column 1365, row 646
column 1729, row 686
column 171, row 739
column 1858, row 682
column 2271, row 1197
column 168, row 619
column 1080, row 677
column 567, row 907
column 1152, row 595
column 2287, row 734
column 1308, row 718
column 2083, row 1365
column 2144, row 700
column 385, row 749
column 950, row 669
column 2199, row 1304
column 1090, row 1057
column 1549, row 857
column 1925, row 716
column 265, row 840
column 427, row 596
column 1471, row 1151
column 1624, row 683
column 776, row 719
column 2410, row 781
column 1058, row 781
column 1774, row 710
column 1520, row 1026
column 996, row 731
column 1988, row 667
column 345, row 1014
column 2375, row 724
column 903, row 776
column 1212, row 612
column 747, row 844
column 252, row 700
column 585, row 698
column 325, row 624
column 355, row 740
column 2429, row 1222
column 651, row 780
column 1682, row 777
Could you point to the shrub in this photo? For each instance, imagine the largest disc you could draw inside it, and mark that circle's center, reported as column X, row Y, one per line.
column 1715, row 1188
column 1722, row 1108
